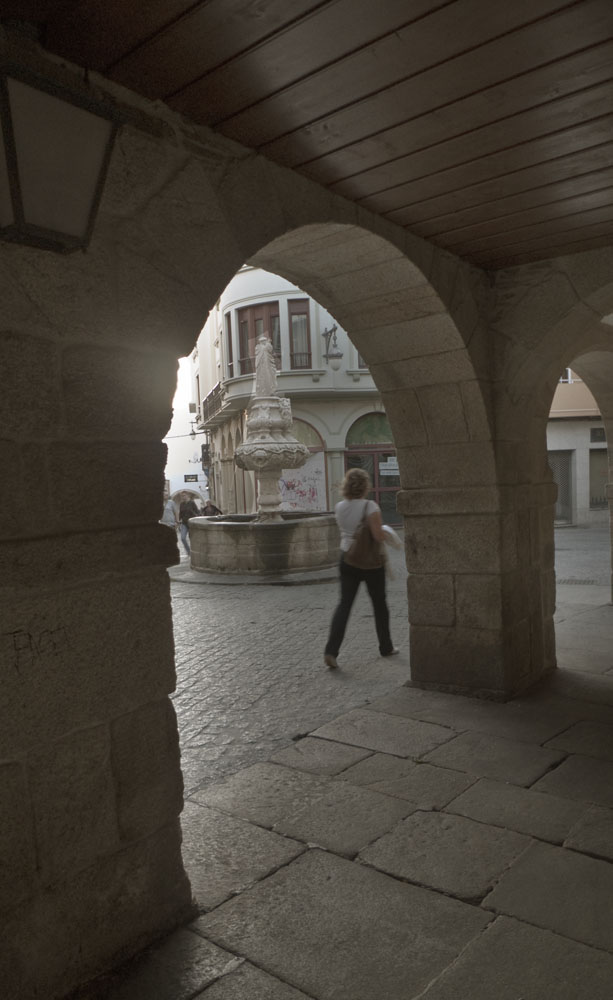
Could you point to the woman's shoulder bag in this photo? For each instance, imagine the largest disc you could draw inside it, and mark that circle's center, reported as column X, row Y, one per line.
column 365, row 551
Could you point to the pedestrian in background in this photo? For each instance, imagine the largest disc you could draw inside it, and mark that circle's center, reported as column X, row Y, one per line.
column 187, row 510
column 171, row 513
column 350, row 513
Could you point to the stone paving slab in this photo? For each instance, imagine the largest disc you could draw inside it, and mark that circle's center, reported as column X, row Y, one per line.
column 344, row 820
column 518, row 719
column 583, row 660
column 386, row 733
column 590, row 739
column 567, row 635
column 249, row 983
column 511, row 961
column 339, row 817
column 341, row 931
column 523, row 810
column 178, row 969
column 263, row 793
column 560, row 890
column 448, row 853
column 319, row 756
column 593, row 834
column 494, row 757
column 377, row 767
column 591, row 695
column 582, row 778
column 223, row 855
column 428, row 787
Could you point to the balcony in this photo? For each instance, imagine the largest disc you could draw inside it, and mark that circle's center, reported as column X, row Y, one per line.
column 300, row 360
column 211, row 405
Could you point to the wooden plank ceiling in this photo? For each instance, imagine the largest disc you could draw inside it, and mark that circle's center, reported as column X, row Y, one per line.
column 484, row 126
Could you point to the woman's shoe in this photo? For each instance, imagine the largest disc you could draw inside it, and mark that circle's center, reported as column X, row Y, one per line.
column 330, row 661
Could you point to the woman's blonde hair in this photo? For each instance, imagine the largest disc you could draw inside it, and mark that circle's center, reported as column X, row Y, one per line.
column 356, row 484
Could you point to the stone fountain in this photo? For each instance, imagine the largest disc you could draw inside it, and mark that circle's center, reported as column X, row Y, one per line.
column 272, row 542
column 269, row 446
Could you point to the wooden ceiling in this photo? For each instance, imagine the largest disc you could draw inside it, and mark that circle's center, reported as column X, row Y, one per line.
column 485, row 126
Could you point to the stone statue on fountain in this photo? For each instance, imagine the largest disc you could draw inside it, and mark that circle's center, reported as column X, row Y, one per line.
column 269, row 446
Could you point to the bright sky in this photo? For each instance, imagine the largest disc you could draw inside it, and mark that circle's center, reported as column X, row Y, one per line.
column 182, row 398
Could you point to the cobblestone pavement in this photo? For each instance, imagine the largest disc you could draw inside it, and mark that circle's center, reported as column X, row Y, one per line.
column 250, row 673
column 250, row 676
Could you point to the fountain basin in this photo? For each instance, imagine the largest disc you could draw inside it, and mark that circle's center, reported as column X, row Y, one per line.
column 239, row 544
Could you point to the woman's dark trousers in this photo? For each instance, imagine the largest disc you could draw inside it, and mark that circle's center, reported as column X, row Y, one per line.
column 351, row 578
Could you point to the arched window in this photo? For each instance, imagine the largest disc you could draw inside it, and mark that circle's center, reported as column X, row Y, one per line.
column 370, row 446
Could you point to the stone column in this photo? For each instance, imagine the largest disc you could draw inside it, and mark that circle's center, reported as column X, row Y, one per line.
column 480, row 587
column 609, row 495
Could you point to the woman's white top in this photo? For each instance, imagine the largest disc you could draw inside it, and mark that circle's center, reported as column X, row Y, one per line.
column 349, row 514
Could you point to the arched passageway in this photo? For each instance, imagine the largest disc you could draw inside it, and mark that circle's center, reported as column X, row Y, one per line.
column 89, row 743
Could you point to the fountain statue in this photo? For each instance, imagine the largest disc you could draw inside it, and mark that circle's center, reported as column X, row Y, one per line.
column 269, row 445
column 272, row 545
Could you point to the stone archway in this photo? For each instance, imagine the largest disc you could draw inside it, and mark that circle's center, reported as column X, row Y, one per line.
column 89, row 349
column 543, row 318
column 424, row 340
column 596, row 370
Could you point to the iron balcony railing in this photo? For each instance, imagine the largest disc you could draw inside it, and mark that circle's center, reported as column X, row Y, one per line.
column 211, row 405
column 301, row 360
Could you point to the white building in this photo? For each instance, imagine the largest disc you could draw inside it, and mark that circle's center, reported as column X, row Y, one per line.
column 336, row 408
column 184, row 466
column 577, row 452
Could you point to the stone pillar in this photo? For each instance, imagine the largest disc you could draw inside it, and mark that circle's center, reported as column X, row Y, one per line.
column 90, row 782
column 609, row 495
column 480, row 588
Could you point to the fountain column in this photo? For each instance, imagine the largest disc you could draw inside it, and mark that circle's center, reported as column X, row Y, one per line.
column 269, row 447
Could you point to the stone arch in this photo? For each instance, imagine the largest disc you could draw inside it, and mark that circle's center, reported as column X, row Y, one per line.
column 424, row 340
column 99, row 335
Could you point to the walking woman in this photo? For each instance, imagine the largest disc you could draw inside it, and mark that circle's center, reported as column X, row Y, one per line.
column 349, row 513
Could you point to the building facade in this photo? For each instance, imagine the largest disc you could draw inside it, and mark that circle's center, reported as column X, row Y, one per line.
column 577, row 453
column 337, row 410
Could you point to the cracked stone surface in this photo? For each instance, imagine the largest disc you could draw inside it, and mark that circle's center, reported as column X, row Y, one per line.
column 511, row 961
column 386, row 733
column 581, row 778
column 493, row 757
column 590, row 739
column 361, row 934
column 560, row 890
column 593, row 834
column 340, row 817
column 178, row 969
column 223, row 854
column 319, row 756
column 447, row 853
column 428, row 787
column 516, row 720
column 249, row 983
column 524, row 810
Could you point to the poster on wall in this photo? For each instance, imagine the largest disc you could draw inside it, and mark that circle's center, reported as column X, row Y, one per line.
column 305, row 488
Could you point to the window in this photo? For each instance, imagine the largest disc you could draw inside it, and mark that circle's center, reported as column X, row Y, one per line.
column 299, row 334
column 597, row 435
column 361, row 362
column 229, row 357
column 253, row 322
column 566, row 376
